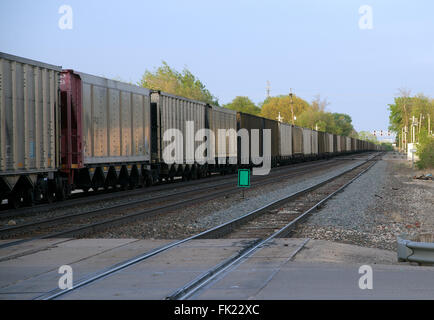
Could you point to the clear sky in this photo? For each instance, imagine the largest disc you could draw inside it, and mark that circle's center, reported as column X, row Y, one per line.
column 234, row 46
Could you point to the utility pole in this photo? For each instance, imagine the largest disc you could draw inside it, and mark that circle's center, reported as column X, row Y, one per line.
column 268, row 89
column 420, row 121
column 292, row 106
column 410, row 138
column 406, row 120
column 413, row 130
column 402, row 139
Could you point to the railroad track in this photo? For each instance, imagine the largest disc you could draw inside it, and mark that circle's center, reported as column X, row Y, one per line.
column 302, row 204
column 100, row 195
column 263, row 225
column 81, row 224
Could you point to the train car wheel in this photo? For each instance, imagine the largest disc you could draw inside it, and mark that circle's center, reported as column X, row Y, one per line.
column 60, row 189
column 60, row 194
column 14, row 201
column 149, row 180
column 28, row 197
column 38, row 194
column 194, row 175
column 49, row 196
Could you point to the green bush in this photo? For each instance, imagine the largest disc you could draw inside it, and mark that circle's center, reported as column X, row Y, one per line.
column 425, row 151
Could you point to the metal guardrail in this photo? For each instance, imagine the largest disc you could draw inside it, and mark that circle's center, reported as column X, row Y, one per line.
column 415, row 251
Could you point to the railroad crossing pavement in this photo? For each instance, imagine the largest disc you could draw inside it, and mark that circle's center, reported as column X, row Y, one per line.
column 320, row 270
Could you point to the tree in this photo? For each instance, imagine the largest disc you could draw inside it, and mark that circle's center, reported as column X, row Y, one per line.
column 336, row 123
column 343, row 125
column 402, row 112
column 318, row 104
column 309, row 116
column 354, row 134
column 316, row 119
column 183, row 84
column 404, row 105
column 410, row 118
column 243, row 104
column 273, row 105
column 425, row 151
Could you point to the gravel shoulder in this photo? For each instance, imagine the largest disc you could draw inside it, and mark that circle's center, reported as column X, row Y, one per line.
column 376, row 208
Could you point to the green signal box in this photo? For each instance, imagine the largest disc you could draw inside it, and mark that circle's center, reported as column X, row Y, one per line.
column 244, row 178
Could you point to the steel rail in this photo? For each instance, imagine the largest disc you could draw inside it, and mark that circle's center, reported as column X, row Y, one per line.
column 195, row 285
column 29, row 211
column 106, row 210
column 101, row 195
column 203, row 235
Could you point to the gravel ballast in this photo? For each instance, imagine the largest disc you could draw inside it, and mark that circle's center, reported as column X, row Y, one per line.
column 192, row 220
column 376, row 208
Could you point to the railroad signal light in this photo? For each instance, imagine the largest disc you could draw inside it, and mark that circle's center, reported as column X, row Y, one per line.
column 381, row 132
column 375, row 133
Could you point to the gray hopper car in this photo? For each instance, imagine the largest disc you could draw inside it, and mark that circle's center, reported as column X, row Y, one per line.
column 307, row 142
column 315, row 148
column 330, row 146
column 321, row 142
column 116, row 121
column 285, row 142
column 297, row 142
column 273, row 125
column 172, row 112
column 225, row 142
column 347, row 144
column 29, row 122
column 336, row 146
column 251, row 122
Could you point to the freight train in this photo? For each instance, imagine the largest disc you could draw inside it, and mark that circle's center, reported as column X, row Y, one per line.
column 62, row 130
